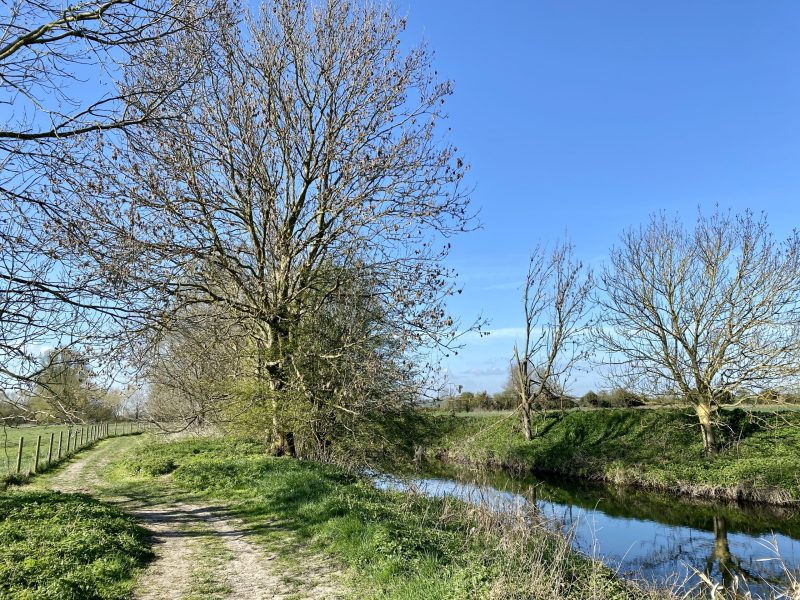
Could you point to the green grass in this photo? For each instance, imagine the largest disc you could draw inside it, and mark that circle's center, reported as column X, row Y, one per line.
column 659, row 448
column 391, row 545
column 67, row 547
column 9, row 440
column 71, row 443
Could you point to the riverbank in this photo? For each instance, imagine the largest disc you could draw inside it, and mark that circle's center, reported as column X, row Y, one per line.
column 388, row 544
column 659, row 449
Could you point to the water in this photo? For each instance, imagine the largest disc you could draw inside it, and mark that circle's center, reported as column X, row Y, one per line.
column 643, row 535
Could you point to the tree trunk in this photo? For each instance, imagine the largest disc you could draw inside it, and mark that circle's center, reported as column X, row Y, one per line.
column 276, row 429
column 703, row 410
column 525, row 414
column 282, row 441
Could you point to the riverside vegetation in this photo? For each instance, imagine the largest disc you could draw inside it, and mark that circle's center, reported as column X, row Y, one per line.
column 394, row 545
column 650, row 448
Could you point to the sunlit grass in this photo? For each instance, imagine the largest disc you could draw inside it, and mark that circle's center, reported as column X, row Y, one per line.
column 67, row 547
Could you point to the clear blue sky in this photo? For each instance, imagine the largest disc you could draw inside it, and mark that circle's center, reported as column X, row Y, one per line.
column 584, row 117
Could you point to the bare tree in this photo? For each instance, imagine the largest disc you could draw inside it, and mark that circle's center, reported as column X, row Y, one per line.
column 308, row 159
column 66, row 79
column 709, row 313
column 556, row 302
column 191, row 369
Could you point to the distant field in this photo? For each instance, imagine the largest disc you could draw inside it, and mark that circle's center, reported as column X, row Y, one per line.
column 9, row 443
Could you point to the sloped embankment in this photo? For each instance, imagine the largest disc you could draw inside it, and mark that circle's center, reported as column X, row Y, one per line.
column 658, row 449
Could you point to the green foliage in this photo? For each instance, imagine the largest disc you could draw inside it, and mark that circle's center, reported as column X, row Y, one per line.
column 67, row 547
column 616, row 398
column 65, row 392
column 467, row 401
column 658, row 448
column 397, row 545
column 384, row 436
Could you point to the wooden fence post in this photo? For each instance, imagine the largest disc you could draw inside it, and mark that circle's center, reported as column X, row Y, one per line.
column 50, row 450
column 80, row 444
column 36, row 453
column 69, row 438
column 60, row 438
column 19, row 454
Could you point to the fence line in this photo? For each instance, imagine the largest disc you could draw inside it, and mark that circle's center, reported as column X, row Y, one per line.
column 77, row 438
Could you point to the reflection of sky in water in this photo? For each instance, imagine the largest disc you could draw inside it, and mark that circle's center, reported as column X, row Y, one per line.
column 639, row 548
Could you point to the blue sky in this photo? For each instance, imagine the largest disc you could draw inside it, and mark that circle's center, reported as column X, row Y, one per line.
column 583, row 117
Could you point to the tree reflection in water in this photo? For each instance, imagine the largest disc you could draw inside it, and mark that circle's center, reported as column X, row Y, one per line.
column 649, row 536
column 734, row 577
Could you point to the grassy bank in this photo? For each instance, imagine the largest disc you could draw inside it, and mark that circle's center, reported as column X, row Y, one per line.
column 389, row 545
column 655, row 449
column 67, row 547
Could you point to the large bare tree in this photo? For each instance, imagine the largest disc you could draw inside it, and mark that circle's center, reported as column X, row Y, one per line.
column 709, row 313
column 555, row 298
column 308, row 159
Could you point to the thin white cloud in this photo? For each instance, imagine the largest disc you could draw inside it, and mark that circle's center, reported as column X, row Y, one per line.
column 499, row 333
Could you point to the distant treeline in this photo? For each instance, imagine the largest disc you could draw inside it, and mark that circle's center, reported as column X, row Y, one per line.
column 616, row 398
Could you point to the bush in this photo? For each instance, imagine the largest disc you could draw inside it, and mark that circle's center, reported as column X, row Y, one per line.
column 622, row 398
column 590, row 398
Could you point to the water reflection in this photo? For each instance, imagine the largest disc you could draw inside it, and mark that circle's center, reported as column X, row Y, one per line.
column 644, row 535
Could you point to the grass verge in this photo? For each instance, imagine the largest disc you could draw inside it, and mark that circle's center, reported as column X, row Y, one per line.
column 392, row 545
column 655, row 449
column 67, row 547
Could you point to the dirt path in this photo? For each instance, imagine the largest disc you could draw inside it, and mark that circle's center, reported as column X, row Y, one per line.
column 201, row 551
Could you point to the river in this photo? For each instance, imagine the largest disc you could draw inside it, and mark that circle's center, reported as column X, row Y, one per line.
column 644, row 535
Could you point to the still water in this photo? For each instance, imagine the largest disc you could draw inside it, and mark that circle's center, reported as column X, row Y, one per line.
column 647, row 536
